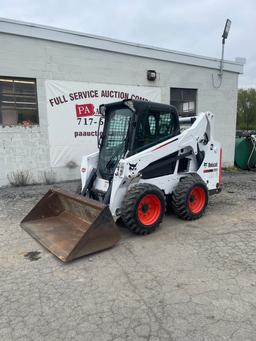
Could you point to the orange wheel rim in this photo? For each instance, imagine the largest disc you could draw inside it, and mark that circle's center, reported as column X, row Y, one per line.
column 196, row 200
column 149, row 209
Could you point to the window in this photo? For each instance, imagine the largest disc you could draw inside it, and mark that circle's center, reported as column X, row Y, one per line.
column 18, row 101
column 114, row 143
column 152, row 124
column 153, row 128
column 184, row 100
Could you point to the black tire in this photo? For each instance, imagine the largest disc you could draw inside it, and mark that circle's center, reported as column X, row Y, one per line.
column 168, row 199
column 183, row 199
column 132, row 208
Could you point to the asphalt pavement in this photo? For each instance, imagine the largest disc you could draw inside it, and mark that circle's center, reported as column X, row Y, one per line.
column 187, row 281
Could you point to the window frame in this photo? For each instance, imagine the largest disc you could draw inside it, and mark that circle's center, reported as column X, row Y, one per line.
column 14, row 94
column 182, row 101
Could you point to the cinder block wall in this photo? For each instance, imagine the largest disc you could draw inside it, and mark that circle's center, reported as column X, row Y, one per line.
column 27, row 148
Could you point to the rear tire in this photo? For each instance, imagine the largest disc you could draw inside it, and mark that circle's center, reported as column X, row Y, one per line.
column 143, row 208
column 190, row 198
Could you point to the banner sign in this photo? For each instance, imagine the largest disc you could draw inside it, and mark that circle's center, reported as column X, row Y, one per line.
column 73, row 117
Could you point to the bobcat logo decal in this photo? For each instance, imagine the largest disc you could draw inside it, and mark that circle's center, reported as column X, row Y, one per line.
column 132, row 166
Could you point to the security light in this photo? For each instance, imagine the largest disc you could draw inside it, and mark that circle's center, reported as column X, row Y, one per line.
column 224, row 37
column 151, row 75
column 226, row 29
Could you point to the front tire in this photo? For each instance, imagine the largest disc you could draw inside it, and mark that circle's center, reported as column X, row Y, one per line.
column 190, row 198
column 143, row 208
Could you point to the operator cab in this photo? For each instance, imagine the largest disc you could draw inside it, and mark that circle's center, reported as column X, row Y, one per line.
column 131, row 127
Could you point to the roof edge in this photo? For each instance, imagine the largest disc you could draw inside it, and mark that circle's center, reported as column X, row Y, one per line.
column 26, row 29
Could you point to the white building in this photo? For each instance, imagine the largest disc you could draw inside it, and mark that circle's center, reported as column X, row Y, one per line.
column 48, row 75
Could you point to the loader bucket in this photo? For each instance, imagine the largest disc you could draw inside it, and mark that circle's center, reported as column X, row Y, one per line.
column 71, row 226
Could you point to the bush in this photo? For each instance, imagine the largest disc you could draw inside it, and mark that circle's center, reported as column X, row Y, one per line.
column 20, row 178
column 246, row 109
column 49, row 177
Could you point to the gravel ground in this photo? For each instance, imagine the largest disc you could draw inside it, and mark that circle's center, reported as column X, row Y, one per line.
column 187, row 281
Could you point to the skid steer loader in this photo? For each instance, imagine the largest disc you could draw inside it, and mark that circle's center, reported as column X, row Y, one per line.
column 145, row 162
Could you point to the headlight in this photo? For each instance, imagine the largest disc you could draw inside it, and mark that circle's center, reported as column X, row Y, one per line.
column 102, row 110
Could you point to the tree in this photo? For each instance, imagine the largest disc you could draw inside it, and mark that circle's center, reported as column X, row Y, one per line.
column 246, row 109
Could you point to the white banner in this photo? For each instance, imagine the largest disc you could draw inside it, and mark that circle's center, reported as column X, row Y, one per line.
column 72, row 110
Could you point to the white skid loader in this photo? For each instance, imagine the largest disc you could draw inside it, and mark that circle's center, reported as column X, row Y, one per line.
column 144, row 164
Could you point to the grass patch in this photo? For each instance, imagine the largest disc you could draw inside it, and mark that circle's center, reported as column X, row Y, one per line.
column 232, row 169
column 20, row 178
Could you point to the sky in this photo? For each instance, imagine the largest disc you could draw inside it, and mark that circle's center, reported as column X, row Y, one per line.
column 193, row 26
